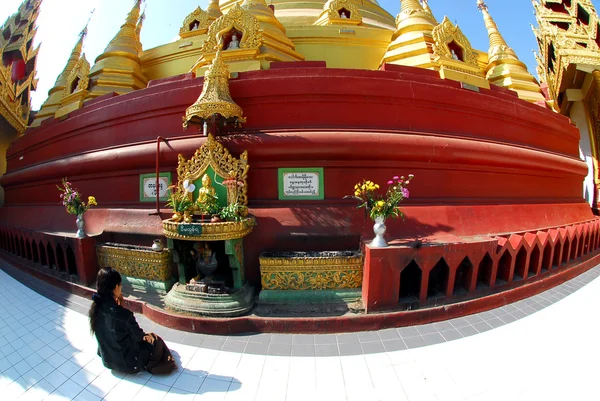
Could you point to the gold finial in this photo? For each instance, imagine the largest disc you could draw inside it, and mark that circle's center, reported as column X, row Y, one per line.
column 410, row 5
column 214, row 10
column 215, row 99
column 496, row 38
column 504, row 67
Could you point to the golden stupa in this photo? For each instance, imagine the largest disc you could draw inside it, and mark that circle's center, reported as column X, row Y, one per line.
column 252, row 34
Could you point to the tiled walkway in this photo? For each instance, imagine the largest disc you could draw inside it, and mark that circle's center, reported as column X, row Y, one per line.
column 542, row 348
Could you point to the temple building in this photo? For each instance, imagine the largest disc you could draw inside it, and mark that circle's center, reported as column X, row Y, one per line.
column 17, row 75
column 568, row 35
column 226, row 165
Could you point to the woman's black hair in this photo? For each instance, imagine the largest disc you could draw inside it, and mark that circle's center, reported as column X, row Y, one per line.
column 106, row 281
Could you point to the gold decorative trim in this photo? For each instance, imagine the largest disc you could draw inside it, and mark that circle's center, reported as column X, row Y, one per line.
column 215, row 155
column 211, row 231
column 81, row 72
column 135, row 261
column 201, row 17
column 239, row 19
column 215, row 97
column 311, row 272
column 446, row 33
column 331, row 13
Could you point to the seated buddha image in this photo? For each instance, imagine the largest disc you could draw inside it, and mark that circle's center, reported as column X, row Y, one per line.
column 207, row 192
column 234, row 43
column 205, row 260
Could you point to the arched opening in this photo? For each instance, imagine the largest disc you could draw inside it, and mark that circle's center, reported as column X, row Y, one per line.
column 557, row 255
column 438, row 280
column 504, row 263
column 582, row 15
column 71, row 263
column 28, row 250
column 534, row 261
column 232, row 40
column 410, row 282
column 74, row 85
column 60, row 259
column 573, row 250
column 344, row 13
column 456, row 51
column 51, row 259
column 520, row 264
column 565, row 253
column 43, row 259
column 34, row 251
column 462, row 280
column 194, row 25
column 547, row 259
column 484, row 272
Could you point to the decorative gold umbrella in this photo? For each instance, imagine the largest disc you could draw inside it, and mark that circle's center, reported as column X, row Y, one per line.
column 214, row 106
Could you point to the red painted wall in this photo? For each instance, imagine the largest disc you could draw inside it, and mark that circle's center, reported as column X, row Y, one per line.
column 484, row 162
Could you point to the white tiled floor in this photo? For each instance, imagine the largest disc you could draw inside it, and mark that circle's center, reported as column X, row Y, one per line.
column 47, row 353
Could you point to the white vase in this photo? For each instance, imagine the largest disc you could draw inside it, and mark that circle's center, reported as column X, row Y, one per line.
column 157, row 245
column 379, row 230
column 80, row 226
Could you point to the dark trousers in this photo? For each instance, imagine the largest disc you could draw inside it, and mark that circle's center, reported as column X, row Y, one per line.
column 161, row 361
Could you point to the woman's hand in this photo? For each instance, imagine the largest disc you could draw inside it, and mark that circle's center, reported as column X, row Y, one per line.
column 119, row 300
column 149, row 338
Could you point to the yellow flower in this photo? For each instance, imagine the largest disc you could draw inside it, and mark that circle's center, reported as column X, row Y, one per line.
column 92, row 201
column 356, row 186
column 376, row 186
column 380, row 203
column 357, row 193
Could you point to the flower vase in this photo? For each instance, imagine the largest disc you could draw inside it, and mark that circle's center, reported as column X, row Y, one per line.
column 80, row 226
column 379, row 230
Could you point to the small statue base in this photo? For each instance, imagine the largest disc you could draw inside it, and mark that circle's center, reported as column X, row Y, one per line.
column 208, row 286
column 236, row 302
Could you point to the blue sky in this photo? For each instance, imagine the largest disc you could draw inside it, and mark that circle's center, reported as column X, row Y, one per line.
column 61, row 20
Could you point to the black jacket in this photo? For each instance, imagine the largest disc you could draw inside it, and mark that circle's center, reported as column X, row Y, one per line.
column 120, row 339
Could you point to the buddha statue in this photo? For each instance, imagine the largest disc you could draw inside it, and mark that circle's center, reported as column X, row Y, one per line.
column 205, row 260
column 195, row 26
column 234, row 44
column 454, row 55
column 206, row 190
column 343, row 14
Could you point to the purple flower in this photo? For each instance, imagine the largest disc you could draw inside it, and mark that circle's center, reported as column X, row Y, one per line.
column 390, row 182
column 405, row 193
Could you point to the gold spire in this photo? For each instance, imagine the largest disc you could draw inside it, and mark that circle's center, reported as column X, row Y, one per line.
column 215, row 98
column 18, row 33
column 262, row 38
column 138, row 30
column 412, row 42
column 118, row 69
column 53, row 102
column 504, row 67
column 213, row 10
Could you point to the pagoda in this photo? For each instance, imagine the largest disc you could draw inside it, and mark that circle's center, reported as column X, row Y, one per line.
column 290, row 109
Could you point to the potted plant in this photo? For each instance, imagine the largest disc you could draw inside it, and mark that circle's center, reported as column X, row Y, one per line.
column 381, row 206
column 231, row 212
column 180, row 201
column 71, row 200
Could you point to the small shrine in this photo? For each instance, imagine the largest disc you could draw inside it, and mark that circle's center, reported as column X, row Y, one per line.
column 205, row 234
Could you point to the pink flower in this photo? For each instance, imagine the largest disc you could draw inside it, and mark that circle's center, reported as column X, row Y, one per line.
column 405, row 193
column 395, row 177
column 390, row 182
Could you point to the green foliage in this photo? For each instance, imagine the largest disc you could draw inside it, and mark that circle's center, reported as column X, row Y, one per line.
column 231, row 212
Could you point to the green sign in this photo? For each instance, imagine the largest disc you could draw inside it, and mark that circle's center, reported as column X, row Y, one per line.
column 148, row 187
column 303, row 183
column 189, row 230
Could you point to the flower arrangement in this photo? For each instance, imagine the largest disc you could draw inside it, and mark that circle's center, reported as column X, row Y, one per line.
column 71, row 199
column 231, row 212
column 378, row 205
column 180, row 201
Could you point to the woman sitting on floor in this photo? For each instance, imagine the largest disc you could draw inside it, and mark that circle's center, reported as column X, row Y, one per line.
column 122, row 344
